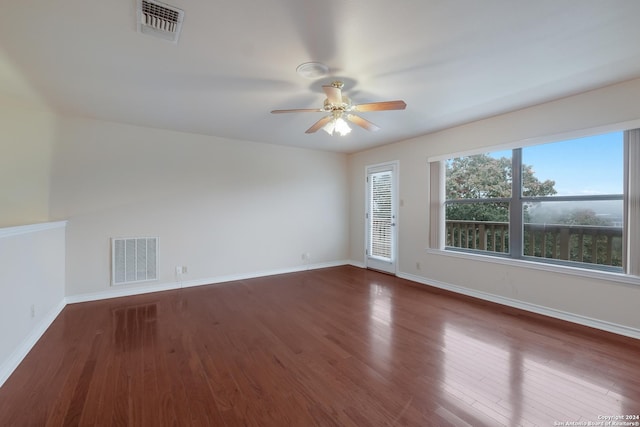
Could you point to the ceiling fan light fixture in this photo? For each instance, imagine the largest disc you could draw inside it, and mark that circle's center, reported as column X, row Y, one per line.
column 342, row 127
column 329, row 127
column 337, row 125
column 312, row 70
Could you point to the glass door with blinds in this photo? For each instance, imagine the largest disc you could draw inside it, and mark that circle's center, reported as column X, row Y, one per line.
column 381, row 217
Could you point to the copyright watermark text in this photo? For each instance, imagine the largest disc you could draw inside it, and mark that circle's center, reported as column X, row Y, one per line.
column 631, row 420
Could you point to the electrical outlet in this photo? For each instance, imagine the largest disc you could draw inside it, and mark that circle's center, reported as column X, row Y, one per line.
column 417, row 266
column 178, row 270
column 184, row 269
column 33, row 310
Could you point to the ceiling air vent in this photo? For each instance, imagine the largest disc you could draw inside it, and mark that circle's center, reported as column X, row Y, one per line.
column 159, row 20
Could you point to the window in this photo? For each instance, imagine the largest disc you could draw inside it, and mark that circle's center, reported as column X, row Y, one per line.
column 572, row 202
column 478, row 193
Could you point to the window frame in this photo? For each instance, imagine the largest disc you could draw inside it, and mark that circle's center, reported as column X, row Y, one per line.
column 630, row 271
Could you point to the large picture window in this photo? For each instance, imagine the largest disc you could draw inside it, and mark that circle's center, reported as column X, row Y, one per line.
column 564, row 202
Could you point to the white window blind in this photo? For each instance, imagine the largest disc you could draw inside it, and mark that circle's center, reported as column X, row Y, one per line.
column 632, row 201
column 436, row 205
column 381, row 214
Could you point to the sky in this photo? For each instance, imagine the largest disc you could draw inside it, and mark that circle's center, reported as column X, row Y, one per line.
column 591, row 165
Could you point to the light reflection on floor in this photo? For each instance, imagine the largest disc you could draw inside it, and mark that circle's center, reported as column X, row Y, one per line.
column 488, row 381
column 380, row 322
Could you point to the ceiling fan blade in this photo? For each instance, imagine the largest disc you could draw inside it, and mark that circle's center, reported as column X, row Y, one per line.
column 298, row 110
column 319, row 124
column 362, row 122
column 334, row 94
column 380, row 106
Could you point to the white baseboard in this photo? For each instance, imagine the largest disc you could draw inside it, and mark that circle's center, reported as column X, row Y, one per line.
column 253, row 275
column 358, row 264
column 546, row 311
column 116, row 292
column 12, row 362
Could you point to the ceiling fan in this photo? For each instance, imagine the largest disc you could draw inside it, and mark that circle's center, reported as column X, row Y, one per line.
column 340, row 108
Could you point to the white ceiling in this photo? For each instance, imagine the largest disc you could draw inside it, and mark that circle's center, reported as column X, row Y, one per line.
column 451, row 61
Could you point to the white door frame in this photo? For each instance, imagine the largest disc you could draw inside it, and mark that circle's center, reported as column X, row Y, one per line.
column 376, row 263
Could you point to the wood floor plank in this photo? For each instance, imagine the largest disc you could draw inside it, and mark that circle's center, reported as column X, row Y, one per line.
column 340, row 346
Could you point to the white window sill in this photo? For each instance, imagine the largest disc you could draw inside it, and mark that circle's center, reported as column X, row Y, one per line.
column 562, row 269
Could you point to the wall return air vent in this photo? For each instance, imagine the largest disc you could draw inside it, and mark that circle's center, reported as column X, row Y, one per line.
column 159, row 20
column 134, row 259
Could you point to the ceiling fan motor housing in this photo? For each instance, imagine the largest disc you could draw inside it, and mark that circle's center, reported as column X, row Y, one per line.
column 345, row 105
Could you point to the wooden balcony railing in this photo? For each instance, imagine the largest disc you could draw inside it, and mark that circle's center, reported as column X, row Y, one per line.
column 582, row 243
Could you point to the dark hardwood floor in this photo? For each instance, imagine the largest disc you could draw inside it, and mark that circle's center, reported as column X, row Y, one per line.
column 335, row 347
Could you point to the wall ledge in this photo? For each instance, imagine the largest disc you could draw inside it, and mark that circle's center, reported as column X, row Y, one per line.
column 30, row 228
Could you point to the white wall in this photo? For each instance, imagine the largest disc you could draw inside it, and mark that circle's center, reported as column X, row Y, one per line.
column 605, row 301
column 31, row 285
column 223, row 208
column 26, row 141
